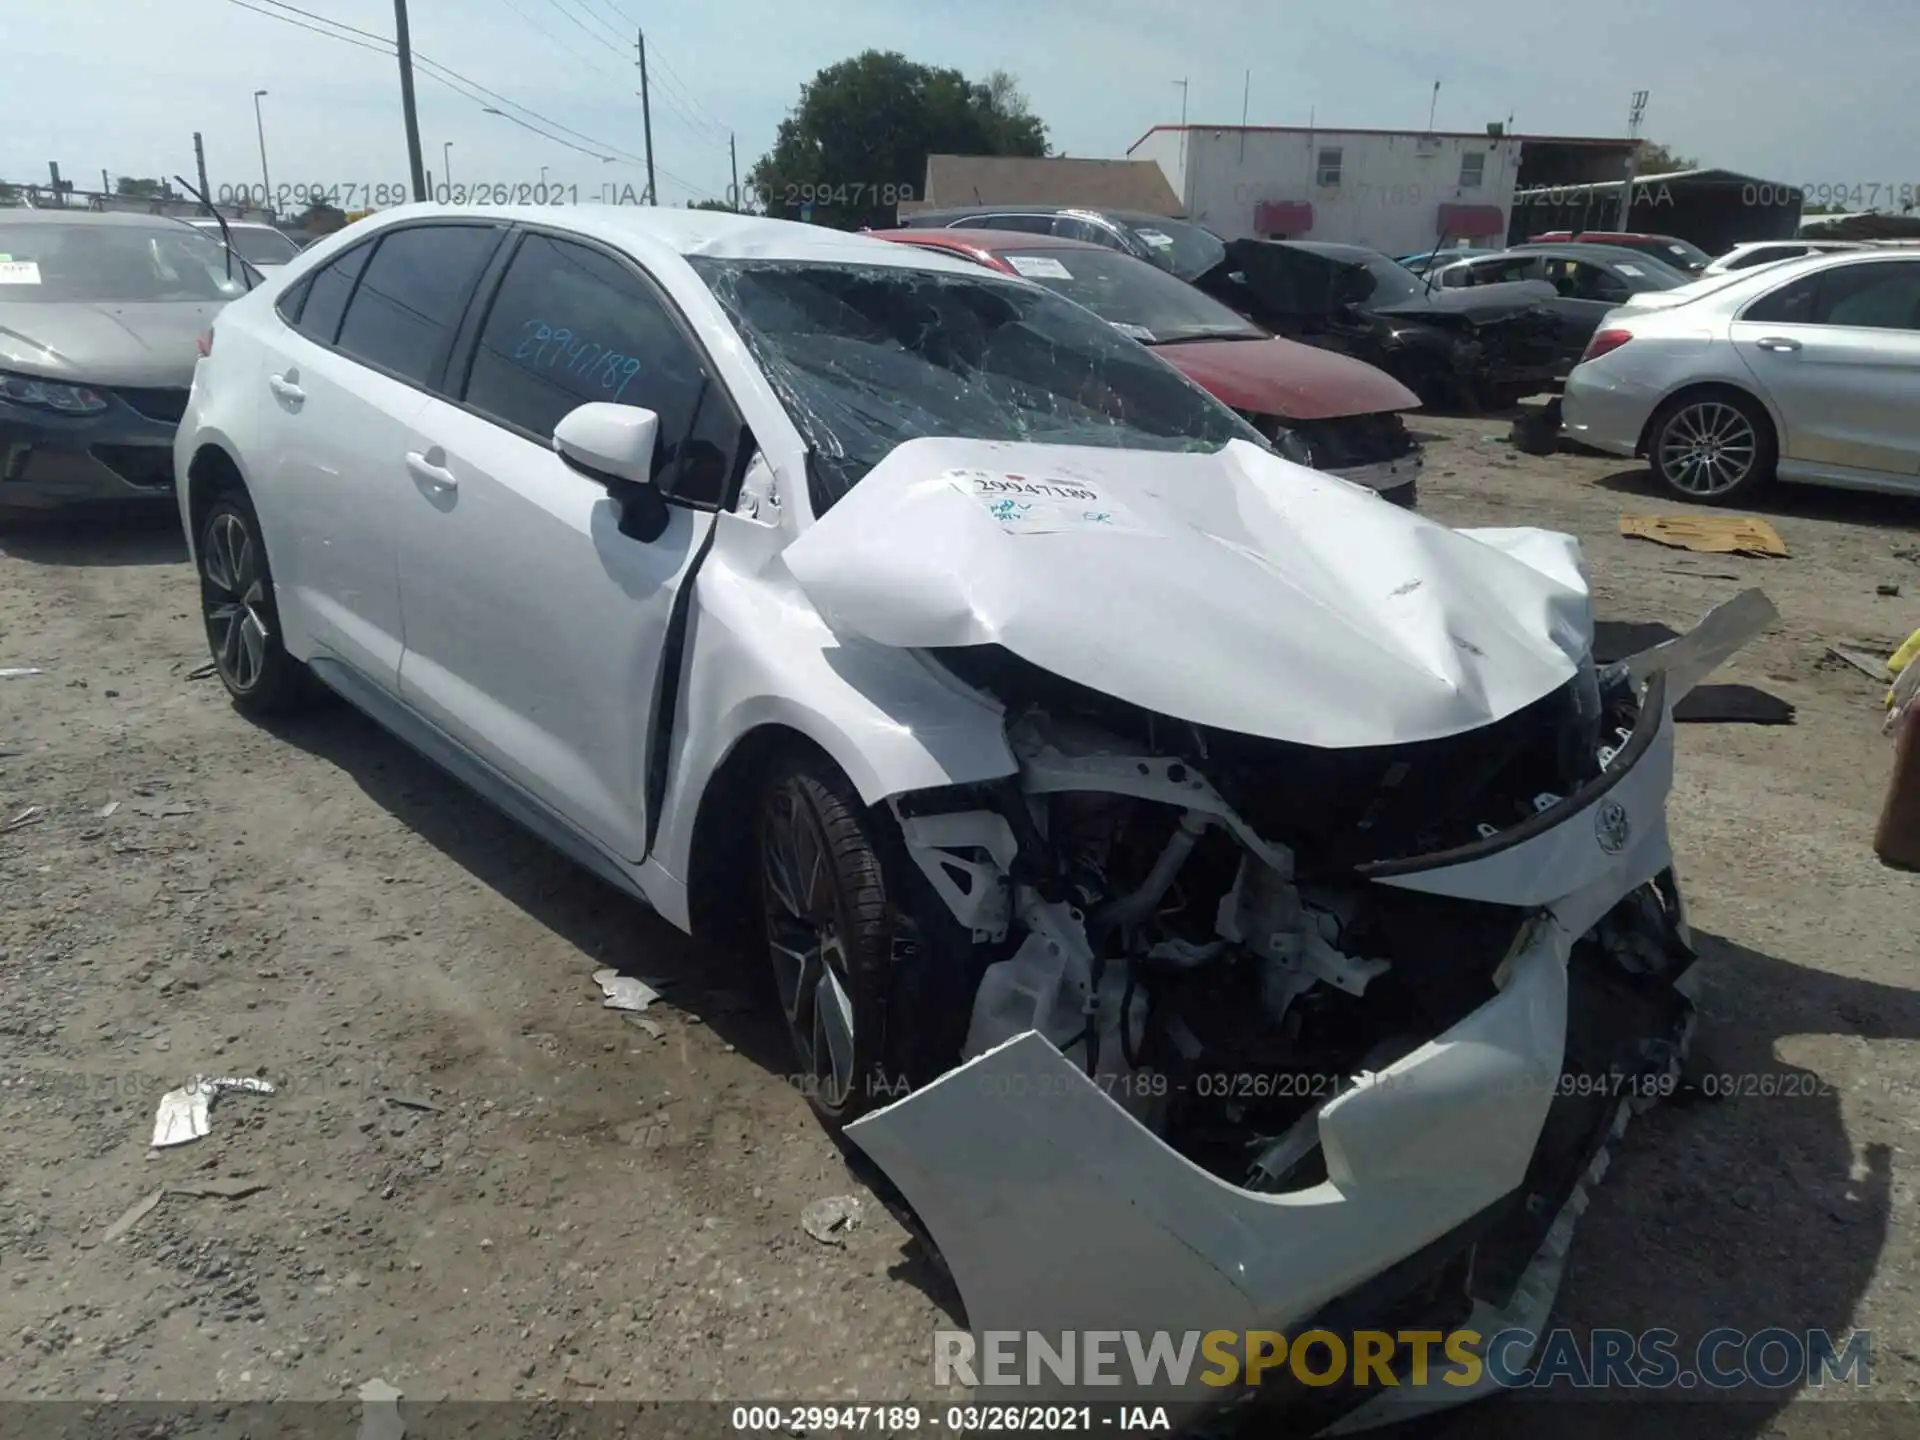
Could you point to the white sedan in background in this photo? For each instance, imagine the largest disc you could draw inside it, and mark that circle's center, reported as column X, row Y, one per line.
column 1805, row 370
column 1752, row 254
column 1056, row 740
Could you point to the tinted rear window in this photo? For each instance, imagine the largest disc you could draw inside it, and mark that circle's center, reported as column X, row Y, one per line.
column 403, row 314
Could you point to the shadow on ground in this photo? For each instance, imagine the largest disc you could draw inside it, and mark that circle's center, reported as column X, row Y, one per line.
column 144, row 535
column 1746, row 1209
column 731, row 993
column 1796, row 502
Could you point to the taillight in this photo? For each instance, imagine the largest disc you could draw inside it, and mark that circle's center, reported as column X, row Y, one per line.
column 1605, row 342
column 205, row 343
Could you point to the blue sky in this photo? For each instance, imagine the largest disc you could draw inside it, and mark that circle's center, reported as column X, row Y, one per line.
column 1788, row 91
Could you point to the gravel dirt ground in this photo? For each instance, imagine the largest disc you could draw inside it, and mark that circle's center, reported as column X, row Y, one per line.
column 479, row 1183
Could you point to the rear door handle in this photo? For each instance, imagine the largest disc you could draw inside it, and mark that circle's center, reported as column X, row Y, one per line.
column 1777, row 342
column 430, row 470
column 285, row 388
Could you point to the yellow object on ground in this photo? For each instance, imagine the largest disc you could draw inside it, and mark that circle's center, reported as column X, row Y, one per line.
column 1710, row 534
column 1902, row 661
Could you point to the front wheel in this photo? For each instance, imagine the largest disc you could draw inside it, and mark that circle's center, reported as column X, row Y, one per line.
column 829, row 928
column 1712, row 447
column 237, row 605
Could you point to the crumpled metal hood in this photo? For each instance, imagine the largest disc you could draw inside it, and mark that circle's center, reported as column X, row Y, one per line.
column 1234, row 590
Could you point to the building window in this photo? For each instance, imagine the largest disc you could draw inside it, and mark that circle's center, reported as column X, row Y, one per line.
column 1327, row 172
column 1473, row 169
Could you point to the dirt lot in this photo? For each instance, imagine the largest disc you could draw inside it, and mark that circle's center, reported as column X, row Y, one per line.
column 590, row 1209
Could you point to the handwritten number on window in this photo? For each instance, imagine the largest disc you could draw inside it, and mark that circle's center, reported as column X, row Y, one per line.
column 542, row 347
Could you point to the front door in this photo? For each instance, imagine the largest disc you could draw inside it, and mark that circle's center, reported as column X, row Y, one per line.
column 534, row 627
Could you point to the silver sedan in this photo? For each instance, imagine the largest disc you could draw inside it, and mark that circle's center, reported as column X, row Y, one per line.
column 1807, row 370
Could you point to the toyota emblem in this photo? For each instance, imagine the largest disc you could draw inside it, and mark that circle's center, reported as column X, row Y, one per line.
column 1611, row 827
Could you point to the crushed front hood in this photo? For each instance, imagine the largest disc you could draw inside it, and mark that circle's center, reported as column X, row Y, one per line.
column 1233, row 590
column 1477, row 304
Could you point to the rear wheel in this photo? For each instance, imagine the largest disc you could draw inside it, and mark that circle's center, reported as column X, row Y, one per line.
column 237, row 605
column 829, row 930
column 1711, row 447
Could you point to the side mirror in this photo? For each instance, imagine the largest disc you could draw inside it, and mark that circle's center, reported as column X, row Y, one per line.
column 614, row 445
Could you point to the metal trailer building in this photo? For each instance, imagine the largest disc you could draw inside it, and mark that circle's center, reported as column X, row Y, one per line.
column 1715, row 209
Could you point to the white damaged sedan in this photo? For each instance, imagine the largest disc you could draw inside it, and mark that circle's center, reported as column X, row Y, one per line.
column 1214, row 897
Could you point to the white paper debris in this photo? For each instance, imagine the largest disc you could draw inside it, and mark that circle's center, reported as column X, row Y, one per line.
column 15, row 672
column 1039, row 267
column 830, row 1220
column 185, row 1114
column 105, row 812
column 623, row 992
column 25, row 817
column 380, row 1412
column 1045, row 505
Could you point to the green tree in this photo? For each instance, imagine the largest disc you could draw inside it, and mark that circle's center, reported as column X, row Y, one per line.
column 139, row 189
column 7, row 193
column 1657, row 159
column 713, row 205
column 858, row 141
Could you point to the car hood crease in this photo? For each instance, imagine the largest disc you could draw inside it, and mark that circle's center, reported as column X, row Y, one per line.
column 1234, row 590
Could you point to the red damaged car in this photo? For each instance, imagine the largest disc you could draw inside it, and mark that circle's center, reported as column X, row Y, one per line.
column 1328, row 411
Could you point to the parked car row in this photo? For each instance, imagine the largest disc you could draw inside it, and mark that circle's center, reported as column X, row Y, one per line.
column 891, row 609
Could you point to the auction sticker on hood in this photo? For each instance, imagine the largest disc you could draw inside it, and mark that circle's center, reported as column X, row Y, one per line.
column 1039, row 267
column 19, row 272
column 1159, row 239
column 1044, row 504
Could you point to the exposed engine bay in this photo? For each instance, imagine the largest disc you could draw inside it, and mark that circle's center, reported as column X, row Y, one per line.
column 1189, row 915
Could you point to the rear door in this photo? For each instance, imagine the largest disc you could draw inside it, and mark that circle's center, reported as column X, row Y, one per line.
column 535, row 628
column 1838, row 354
column 369, row 332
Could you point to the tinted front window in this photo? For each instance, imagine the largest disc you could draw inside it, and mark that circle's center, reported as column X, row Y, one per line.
column 327, row 294
column 403, row 314
column 865, row 357
column 51, row 263
column 572, row 325
column 1392, row 283
column 1029, row 224
column 1132, row 294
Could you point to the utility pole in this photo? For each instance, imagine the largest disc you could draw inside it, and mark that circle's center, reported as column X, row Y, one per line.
column 200, row 163
column 404, row 46
column 733, row 157
column 1246, row 98
column 266, row 181
column 1183, row 132
column 646, row 117
column 1433, row 106
column 1634, row 117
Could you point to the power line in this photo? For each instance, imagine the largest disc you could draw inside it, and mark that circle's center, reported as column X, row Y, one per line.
column 451, row 79
column 448, row 77
column 590, row 34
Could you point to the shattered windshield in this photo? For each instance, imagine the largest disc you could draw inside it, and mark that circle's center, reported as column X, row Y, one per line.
column 1132, row 296
column 866, row 357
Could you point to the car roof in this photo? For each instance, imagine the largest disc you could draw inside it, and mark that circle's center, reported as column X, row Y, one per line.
column 1129, row 217
column 26, row 215
column 991, row 239
column 686, row 233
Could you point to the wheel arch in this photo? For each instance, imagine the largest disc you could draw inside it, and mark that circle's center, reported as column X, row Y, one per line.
column 1696, row 389
column 720, row 864
column 213, row 470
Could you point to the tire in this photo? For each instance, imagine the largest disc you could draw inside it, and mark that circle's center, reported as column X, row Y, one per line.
column 238, row 607
column 829, row 928
column 1712, row 447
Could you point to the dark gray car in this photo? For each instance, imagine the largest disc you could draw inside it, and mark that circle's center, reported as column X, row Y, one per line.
column 1588, row 281
column 100, row 318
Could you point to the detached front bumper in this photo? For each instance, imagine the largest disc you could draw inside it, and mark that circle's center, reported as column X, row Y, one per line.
column 49, row 460
column 1057, row 1211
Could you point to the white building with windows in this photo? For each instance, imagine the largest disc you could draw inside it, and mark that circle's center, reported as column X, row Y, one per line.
column 1398, row 191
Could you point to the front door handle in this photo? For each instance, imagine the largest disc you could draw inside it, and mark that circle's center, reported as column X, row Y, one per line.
column 430, row 469
column 285, row 388
column 1777, row 342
